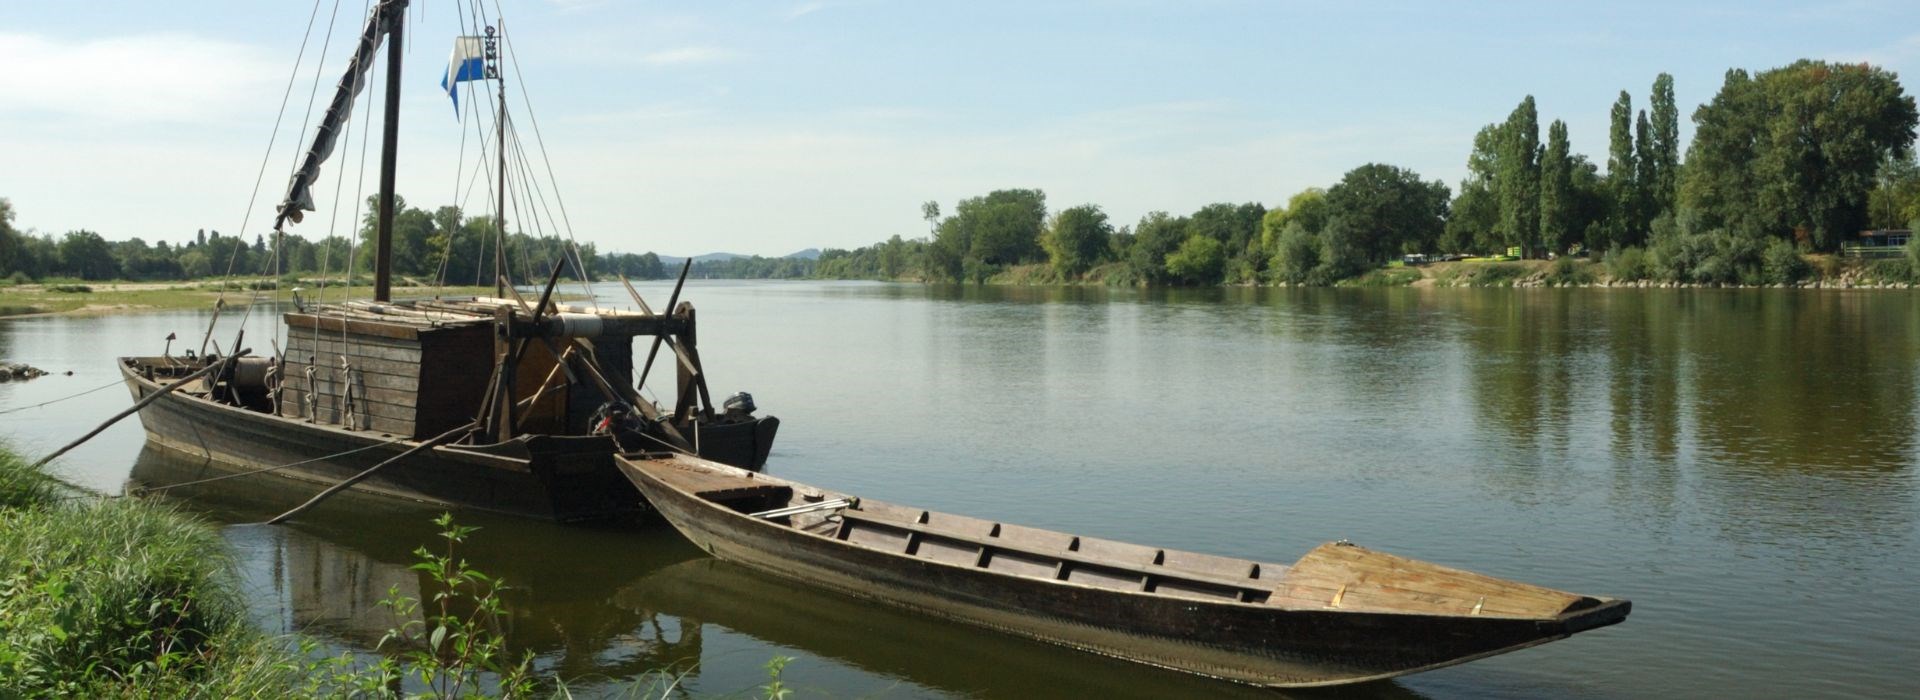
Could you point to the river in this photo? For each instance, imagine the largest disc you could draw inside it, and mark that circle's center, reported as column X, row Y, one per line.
column 1741, row 464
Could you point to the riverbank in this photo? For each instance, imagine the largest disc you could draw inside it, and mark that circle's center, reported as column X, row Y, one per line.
column 121, row 598
column 120, row 297
column 1813, row 272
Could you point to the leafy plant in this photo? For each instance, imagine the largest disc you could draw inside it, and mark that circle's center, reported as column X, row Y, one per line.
column 449, row 650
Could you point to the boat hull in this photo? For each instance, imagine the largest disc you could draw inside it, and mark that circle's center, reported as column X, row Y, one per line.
column 552, row 478
column 1255, row 644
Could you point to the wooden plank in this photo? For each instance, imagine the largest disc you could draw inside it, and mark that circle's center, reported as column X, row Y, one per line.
column 308, row 334
column 302, row 348
column 296, row 319
column 297, row 377
column 297, row 364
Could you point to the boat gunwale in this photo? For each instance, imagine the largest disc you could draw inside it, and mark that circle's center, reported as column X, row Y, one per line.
column 476, row 453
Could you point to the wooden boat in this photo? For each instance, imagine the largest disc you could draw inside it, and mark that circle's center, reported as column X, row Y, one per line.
column 495, row 403
column 1340, row 614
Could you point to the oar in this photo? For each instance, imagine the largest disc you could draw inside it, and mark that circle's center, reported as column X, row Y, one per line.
column 671, row 301
column 357, row 478
column 137, row 405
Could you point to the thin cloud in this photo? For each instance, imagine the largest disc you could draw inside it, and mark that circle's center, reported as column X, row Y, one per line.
column 688, row 55
column 140, row 78
column 804, row 9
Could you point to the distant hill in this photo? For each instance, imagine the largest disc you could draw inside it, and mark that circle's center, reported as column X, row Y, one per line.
column 709, row 257
column 671, row 260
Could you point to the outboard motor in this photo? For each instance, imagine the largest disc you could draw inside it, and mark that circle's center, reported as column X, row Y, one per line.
column 738, row 406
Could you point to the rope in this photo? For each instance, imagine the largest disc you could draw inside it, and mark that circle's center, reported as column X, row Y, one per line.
column 113, row 383
column 506, row 48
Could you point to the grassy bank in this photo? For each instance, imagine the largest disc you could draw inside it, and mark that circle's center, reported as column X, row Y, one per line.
column 133, row 598
column 112, row 297
column 120, row 598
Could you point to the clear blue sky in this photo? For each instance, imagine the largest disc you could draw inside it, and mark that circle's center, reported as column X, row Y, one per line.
column 769, row 127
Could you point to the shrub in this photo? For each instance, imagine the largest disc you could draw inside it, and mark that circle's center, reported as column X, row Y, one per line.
column 1783, row 264
column 70, row 289
column 1894, row 270
column 1498, row 274
column 1627, row 264
column 1199, row 260
column 19, row 277
column 1567, row 272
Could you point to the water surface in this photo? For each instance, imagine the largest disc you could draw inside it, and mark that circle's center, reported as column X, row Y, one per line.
column 1739, row 463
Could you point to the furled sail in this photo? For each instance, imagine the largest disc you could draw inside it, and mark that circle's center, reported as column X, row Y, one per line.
column 300, row 190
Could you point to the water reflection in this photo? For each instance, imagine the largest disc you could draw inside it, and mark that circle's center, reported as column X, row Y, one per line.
column 600, row 608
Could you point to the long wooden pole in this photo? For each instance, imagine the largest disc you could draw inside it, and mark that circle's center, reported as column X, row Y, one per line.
column 137, row 405
column 357, row 478
column 389, row 157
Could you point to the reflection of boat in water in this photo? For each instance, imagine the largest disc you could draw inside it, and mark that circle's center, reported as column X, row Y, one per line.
column 497, row 404
column 958, row 659
column 326, row 574
column 1341, row 614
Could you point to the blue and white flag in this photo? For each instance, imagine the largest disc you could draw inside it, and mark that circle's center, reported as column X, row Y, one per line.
column 468, row 62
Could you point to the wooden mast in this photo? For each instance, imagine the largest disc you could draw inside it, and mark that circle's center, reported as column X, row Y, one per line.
column 389, row 153
column 500, row 125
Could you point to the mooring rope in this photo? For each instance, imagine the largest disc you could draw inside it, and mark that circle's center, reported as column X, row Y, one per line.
column 113, row 383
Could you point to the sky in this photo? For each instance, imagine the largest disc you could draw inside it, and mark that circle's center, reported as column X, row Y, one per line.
column 769, row 127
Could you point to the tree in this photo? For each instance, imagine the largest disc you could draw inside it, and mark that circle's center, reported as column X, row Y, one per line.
column 1156, row 236
column 86, row 255
column 930, row 212
column 1666, row 146
column 1296, row 254
column 1307, row 207
column 1518, row 176
column 1895, row 199
column 1078, row 239
column 1557, row 203
column 1200, row 260
column 9, row 239
column 1645, row 175
column 1796, row 148
column 1387, row 210
column 1622, row 168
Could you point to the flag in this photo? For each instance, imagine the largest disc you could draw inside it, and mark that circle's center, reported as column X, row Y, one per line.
column 466, row 63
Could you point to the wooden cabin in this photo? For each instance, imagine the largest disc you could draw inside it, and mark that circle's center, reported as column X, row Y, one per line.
column 418, row 369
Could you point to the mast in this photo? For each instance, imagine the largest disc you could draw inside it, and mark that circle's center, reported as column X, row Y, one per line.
column 389, row 152
column 500, row 125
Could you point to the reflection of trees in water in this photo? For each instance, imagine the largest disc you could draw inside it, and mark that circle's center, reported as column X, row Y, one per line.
column 1786, row 411
column 1531, row 367
column 1805, row 412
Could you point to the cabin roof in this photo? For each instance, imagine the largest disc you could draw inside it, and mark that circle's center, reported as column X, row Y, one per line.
column 422, row 314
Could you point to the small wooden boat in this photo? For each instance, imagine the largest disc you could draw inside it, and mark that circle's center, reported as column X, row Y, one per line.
column 1341, row 614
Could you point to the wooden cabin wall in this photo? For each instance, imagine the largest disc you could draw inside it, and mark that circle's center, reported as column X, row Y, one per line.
column 454, row 378
column 384, row 377
column 549, row 414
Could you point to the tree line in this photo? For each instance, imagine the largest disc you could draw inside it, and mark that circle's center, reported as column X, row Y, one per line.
column 1797, row 159
column 1785, row 161
column 442, row 246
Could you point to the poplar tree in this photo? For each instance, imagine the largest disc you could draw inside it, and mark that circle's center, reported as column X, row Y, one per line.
column 1518, row 176
column 1556, row 191
column 1644, row 175
column 1666, row 146
column 1620, row 173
